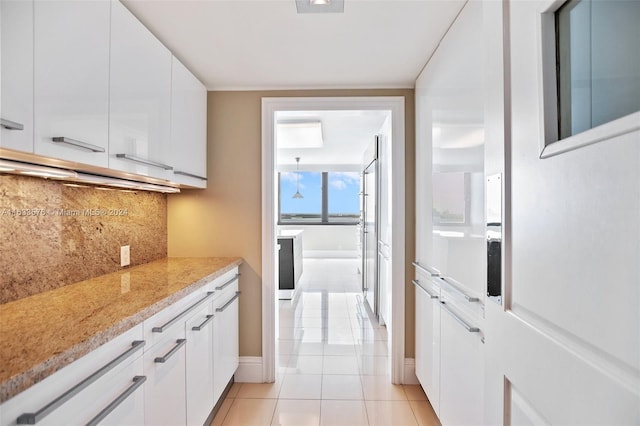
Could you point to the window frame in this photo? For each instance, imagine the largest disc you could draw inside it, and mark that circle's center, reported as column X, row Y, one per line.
column 324, row 214
column 550, row 142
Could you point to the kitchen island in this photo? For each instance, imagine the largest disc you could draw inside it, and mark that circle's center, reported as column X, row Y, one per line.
column 41, row 334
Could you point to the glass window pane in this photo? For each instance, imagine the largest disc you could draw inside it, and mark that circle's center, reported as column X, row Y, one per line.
column 598, row 62
column 344, row 196
column 306, row 209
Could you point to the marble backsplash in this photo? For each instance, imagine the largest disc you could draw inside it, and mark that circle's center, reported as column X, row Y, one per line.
column 52, row 235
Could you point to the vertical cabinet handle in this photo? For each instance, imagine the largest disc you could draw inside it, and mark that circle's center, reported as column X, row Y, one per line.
column 137, row 382
column 201, row 326
column 78, row 144
column 11, row 125
column 229, row 302
column 162, row 359
column 33, row 418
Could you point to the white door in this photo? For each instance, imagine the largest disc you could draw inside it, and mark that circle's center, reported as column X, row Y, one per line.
column 199, row 365
column 564, row 347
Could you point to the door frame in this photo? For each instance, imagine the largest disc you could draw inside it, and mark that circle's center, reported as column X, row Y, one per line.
column 396, row 329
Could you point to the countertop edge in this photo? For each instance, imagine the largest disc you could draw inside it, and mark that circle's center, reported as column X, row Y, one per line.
column 22, row 381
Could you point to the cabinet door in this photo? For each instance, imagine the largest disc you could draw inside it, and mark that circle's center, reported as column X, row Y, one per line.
column 164, row 397
column 462, row 369
column 199, row 376
column 140, row 98
column 225, row 340
column 16, row 109
column 72, row 80
column 188, row 127
column 427, row 349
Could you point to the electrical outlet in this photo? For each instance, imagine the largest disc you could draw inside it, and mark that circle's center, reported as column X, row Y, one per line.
column 125, row 253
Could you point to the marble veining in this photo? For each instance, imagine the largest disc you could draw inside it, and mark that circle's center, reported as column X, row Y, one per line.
column 54, row 235
column 77, row 318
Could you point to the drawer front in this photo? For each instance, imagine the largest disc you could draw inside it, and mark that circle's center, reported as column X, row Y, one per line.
column 225, row 286
column 76, row 380
column 172, row 318
column 165, row 394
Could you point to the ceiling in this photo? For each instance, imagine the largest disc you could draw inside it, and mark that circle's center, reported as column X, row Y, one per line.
column 266, row 44
column 346, row 136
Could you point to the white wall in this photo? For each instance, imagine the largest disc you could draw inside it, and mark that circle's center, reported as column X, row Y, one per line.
column 327, row 240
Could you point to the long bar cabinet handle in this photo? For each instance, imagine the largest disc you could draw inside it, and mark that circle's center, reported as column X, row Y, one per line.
column 459, row 291
column 162, row 359
column 225, row 285
column 137, row 382
column 33, row 418
column 11, row 125
column 470, row 329
column 229, row 302
column 427, row 269
column 178, row 172
column 144, row 161
column 78, row 144
column 173, row 320
column 201, row 326
column 417, row 284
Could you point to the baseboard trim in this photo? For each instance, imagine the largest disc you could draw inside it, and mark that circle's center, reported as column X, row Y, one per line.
column 249, row 370
column 410, row 377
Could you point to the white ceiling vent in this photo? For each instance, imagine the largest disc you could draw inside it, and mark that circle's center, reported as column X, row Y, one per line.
column 320, row 6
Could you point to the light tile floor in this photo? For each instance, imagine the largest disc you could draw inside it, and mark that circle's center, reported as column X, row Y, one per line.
column 333, row 364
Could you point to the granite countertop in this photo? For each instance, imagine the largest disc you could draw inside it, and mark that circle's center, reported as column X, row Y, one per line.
column 41, row 334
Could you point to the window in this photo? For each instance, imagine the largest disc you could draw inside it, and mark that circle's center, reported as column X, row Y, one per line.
column 598, row 63
column 328, row 198
column 343, row 197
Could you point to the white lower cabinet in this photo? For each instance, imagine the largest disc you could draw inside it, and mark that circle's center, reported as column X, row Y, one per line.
column 165, row 395
column 427, row 330
column 225, row 335
column 169, row 370
column 105, row 387
column 461, row 368
column 200, row 364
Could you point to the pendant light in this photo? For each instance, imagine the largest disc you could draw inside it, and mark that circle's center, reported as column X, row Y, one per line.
column 297, row 194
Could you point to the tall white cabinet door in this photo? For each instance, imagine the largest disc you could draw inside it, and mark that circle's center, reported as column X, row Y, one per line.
column 226, row 335
column 165, row 393
column 16, row 107
column 199, row 376
column 140, row 98
column 427, row 346
column 72, row 80
column 188, row 127
column 462, row 370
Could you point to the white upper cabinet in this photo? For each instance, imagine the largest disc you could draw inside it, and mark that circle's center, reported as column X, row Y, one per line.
column 140, row 98
column 72, row 80
column 16, row 108
column 188, row 127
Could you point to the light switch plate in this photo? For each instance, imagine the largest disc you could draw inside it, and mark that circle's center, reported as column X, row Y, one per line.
column 125, row 254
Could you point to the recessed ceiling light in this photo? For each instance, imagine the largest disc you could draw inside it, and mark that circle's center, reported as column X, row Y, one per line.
column 320, row 6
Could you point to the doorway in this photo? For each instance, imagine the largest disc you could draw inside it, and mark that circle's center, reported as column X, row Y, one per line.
column 395, row 268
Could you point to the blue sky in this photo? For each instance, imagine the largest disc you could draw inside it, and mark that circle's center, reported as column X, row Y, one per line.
column 344, row 188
